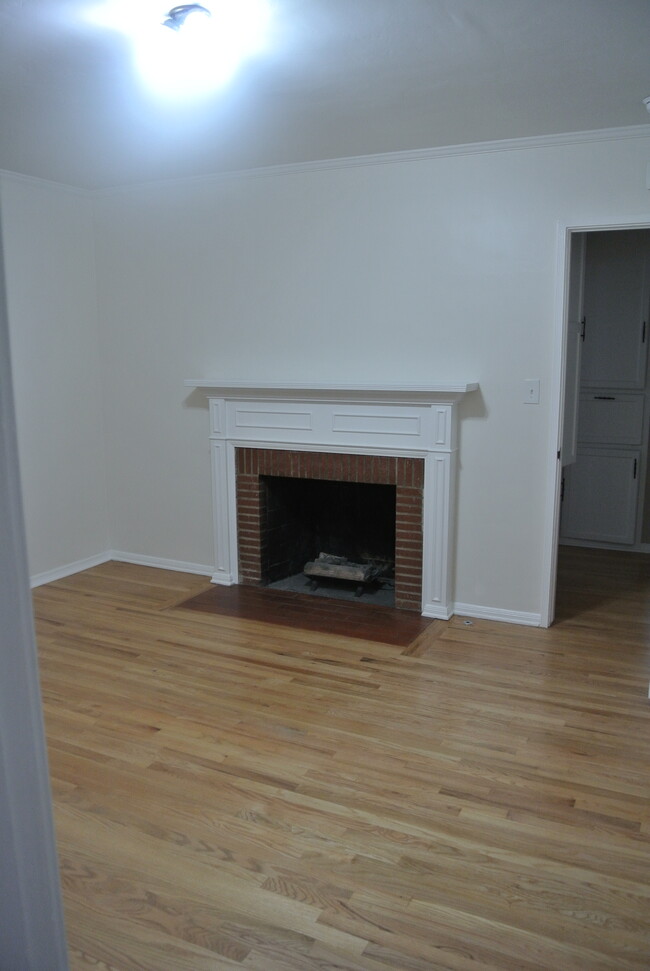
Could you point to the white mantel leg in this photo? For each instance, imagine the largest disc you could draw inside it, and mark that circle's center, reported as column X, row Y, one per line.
column 437, row 561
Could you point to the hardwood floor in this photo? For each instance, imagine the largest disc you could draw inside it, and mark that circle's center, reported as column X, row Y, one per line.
column 231, row 794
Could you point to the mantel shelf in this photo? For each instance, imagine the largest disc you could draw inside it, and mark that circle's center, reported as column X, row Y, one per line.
column 421, row 393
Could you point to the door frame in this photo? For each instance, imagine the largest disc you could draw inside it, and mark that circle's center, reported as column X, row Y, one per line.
column 556, row 417
column 32, row 932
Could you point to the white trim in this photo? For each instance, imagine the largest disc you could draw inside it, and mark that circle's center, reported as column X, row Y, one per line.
column 433, row 609
column 160, row 563
column 437, row 612
column 556, row 418
column 7, row 175
column 498, row 614
column 392, row 158
column 354, row 161
column 291, row 391
column 224, row 515
column 68, row 569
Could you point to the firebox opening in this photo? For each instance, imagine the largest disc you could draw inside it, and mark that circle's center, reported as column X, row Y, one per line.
column 302, row 518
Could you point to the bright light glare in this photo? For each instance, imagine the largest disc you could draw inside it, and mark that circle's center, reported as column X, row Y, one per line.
column 202, row 55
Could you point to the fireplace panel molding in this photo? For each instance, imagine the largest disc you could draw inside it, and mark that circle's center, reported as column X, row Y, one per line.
column 382, row 421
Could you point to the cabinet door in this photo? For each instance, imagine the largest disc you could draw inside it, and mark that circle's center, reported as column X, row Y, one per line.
column 600, row 495
column 616, row 309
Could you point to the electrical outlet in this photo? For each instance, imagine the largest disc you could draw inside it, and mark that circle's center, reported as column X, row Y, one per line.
column 531, row 391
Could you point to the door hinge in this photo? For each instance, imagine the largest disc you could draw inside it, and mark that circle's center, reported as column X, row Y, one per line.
column 559, row 453
column 562, row 489
column 635, row 467
column 643, row 333
column 583, row 328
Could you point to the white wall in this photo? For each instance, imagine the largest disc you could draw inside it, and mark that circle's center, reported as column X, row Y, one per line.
column 410, row 271
column 51, row 297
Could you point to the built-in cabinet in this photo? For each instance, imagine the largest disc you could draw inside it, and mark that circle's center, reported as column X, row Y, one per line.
column 609, row 300
column 601, row 494
column 615, row 309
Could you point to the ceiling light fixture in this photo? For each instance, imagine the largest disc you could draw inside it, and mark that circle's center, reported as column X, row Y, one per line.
column 190, row 50
column 646, row 102
column 177, row 16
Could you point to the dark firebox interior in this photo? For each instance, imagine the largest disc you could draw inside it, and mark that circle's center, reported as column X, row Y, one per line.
column 305, row 517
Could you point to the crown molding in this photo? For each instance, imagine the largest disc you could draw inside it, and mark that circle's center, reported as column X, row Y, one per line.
column 6, row 175
column 352, row 161
column 393, row 158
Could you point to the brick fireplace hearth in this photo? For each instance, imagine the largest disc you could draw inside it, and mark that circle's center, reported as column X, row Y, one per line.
column 405, row 473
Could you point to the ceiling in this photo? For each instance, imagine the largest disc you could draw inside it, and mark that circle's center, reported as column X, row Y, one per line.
column 339, row 78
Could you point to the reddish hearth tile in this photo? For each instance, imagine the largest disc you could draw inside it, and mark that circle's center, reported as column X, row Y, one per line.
column 304, row 612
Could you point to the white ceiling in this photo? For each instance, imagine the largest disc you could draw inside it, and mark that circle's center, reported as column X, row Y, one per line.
column 341, row 78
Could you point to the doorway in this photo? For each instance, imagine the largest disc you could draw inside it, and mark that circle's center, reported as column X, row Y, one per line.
column 605, row 404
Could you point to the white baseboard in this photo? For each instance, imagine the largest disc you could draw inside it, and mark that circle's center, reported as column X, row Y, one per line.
column 496, row 613
column 180, row 566
column 68, row 569
column 592, row 545
column 437, row 611
column 223, row 579
column 201, row 569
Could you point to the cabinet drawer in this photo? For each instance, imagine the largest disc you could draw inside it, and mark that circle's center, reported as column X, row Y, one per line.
column 610, row 419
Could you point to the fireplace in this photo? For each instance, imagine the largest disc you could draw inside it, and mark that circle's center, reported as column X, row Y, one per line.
column 258, row 471
column 404, row 439
column 349, row 526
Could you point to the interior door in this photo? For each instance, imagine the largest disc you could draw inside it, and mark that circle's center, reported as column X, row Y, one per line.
column 575, row 340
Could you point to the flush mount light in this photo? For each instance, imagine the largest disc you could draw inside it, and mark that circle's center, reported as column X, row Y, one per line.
column 646, row 102
column 191, row 50
column 178, row 15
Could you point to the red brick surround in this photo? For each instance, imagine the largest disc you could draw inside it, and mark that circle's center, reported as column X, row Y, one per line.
column 407, row 474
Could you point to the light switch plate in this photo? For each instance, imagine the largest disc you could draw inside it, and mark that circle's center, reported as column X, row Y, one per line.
column 531, row 391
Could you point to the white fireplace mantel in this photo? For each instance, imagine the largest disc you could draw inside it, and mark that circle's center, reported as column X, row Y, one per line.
column 401, row 420
column 398, row 394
